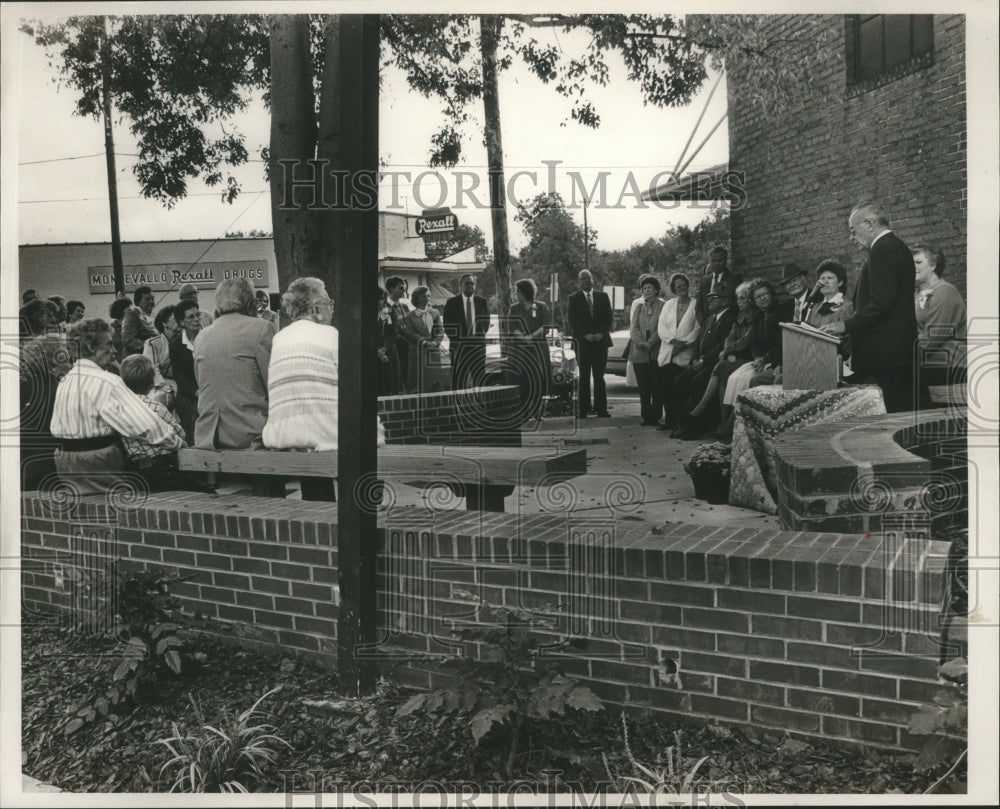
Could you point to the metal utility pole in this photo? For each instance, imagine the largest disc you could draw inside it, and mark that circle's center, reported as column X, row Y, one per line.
column 356, row 268
column 109, row 155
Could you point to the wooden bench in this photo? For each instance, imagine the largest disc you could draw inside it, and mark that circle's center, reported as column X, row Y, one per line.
column 483, row 475
column 944, row 395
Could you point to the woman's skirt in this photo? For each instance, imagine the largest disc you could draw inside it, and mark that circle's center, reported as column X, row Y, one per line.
column 739, row 381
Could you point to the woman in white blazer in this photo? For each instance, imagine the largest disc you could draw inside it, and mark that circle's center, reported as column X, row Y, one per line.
column 678, row 329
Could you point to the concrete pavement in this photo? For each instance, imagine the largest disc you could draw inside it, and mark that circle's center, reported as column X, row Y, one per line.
column 633, row 473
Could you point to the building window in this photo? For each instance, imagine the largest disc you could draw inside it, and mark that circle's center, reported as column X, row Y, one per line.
column 883, row 47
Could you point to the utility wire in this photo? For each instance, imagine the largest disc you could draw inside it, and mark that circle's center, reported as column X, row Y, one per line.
column 540, row 166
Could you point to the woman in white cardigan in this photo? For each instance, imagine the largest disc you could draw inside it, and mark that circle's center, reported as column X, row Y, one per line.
column 678, row 329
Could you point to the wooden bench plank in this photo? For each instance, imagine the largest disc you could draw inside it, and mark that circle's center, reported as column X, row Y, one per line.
column 483, row 475
column 507, row 465
column 957, row 394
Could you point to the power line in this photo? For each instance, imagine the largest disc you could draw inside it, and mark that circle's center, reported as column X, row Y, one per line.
column 540, row 166
column 61, row 159
column 105, row 199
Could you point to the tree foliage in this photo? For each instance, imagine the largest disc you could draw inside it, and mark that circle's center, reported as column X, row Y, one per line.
column 440, row 57
column 556, row 243
column 179, row 80
column 461, row 238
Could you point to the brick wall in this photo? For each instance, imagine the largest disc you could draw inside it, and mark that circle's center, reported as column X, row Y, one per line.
column 488, row 415
column 877, row 473
column 828, row 635
column 903, row 142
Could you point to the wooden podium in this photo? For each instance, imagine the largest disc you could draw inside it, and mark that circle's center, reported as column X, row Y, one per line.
column 809, row 358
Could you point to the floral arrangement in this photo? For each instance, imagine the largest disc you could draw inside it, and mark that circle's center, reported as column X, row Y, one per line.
column 710, row 459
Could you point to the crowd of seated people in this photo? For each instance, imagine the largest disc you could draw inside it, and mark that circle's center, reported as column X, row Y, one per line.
column 737, row 343
column 106, row 401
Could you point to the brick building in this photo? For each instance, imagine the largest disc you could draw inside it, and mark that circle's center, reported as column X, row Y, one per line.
column 887, row 120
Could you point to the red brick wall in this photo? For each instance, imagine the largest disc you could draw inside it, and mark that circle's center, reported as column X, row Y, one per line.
column 826, row 635
column 476, row 416
column 903, row 142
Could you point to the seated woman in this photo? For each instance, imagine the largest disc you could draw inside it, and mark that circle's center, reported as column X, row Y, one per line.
column 941, row 327
column 37, row 317
column 181, row 349
column 424, row 333
column 765, row 347
column 117, row 310
column 43, row 362
column 157, row 350
column 302, row 380
column 94, row 410
column 827, row 302
column 736, row 350
column 528, row 347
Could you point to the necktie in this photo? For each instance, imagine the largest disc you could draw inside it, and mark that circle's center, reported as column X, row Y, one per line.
column 469, row 324
column 590, row 303
column 798, row 310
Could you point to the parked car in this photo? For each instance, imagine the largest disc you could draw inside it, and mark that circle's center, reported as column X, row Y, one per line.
column 561, row 354
column 617, row 364
column 563, row 358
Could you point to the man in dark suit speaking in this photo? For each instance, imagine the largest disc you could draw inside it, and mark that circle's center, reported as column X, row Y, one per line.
column 883, row 329
column 466, row 321
column 590, row 322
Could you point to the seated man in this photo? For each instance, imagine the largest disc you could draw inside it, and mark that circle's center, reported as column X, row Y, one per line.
column 156, row 463
column 231, row 358
column 94, row 410
column 690, row 384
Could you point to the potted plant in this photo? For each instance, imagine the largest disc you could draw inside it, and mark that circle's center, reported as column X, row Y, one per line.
column 708, row 467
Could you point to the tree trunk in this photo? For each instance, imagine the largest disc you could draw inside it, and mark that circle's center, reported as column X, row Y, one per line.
column 328, row 149
column 489, row 33
column 297, row 185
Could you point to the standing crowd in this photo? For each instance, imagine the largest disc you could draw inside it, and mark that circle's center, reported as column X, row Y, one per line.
column 101, row 398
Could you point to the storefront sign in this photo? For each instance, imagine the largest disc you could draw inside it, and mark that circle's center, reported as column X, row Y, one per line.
column 167, row 277
column 435, row 221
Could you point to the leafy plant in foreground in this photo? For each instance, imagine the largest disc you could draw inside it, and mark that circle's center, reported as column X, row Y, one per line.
column 511, row 687
column 673, row 776
column 221, row 759
column 946, row 717
column 153, row 644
